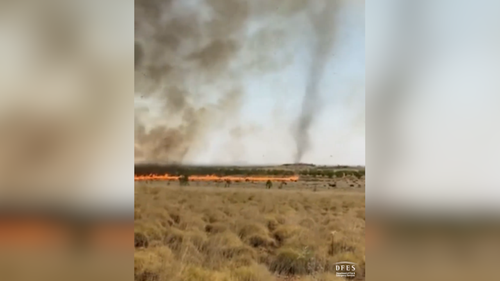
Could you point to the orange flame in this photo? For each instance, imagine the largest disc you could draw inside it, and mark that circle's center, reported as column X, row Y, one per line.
column 168, row 177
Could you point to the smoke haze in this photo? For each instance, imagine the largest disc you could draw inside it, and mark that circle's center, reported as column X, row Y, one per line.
column 202, row 67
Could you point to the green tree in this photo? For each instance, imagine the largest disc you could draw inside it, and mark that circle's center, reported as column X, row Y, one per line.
column 269, row 184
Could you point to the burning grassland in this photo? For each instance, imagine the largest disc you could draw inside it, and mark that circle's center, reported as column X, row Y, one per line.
column 310, row 177
column 214, row 178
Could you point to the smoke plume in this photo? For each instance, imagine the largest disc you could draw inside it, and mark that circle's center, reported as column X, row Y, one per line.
column 192, row 57
column 183, row 54
column 189, row 68
column 323, row 42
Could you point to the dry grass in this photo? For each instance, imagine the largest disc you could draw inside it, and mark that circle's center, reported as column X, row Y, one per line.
column 245, row 234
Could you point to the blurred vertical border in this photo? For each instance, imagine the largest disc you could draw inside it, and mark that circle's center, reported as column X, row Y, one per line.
column 66, row 140
column 433, row 206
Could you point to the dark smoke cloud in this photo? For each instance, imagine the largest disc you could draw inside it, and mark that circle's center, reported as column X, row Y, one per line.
column 324, row 35
column 192, row 55
column 179, row 50
column 185, row 55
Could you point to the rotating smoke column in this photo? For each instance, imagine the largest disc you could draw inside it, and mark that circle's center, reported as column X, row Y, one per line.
column 324, row 32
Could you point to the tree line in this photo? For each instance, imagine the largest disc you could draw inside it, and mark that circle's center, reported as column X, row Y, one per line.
column 238, row 171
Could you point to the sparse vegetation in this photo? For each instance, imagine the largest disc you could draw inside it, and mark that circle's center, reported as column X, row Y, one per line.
column 209, row 233
column 184, row 180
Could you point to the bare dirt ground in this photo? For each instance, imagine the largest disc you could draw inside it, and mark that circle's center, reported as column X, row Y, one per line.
column 246, row 232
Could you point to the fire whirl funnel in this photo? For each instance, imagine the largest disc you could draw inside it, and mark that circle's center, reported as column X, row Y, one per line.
column 324, row 36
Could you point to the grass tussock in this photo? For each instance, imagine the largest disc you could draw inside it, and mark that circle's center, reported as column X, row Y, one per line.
column 210, row 234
